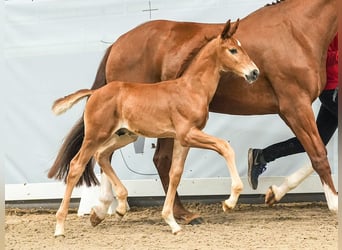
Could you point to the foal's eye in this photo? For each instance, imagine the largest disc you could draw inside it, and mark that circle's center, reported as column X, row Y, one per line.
column 233, row 51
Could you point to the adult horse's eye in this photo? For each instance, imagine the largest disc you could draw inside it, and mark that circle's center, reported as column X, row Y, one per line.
column 233, row 51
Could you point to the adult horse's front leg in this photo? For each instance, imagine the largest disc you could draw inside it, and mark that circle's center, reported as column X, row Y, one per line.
column 175, row 173
column 300, row 118
column 162, row 160
column 276, row 193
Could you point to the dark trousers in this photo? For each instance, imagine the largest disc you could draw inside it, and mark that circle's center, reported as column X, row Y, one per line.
column 327, row 122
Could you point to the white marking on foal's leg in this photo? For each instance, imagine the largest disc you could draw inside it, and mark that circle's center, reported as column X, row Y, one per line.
column 60, row 219
column 237, row 185
column 332, row 199
column 59, row 231
column 122, row 207
column 170, row 220
column 230, row 203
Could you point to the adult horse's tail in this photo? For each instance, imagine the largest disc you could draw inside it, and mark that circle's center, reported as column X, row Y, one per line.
column 73, row 141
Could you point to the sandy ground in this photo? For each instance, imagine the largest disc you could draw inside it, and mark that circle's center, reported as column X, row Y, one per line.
column 284, row 226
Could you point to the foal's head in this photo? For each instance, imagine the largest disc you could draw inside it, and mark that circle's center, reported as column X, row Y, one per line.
column 233, row 57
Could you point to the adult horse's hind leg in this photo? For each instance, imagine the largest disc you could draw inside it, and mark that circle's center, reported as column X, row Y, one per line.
column 77, row 166
column 162, row 160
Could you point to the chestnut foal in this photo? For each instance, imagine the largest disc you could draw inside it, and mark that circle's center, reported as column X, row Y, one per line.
column 171, row 109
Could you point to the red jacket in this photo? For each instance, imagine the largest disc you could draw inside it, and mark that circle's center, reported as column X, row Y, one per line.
column 332, row 65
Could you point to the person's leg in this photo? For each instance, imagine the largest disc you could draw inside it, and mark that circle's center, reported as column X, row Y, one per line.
column 326, row 124
column 327, row 119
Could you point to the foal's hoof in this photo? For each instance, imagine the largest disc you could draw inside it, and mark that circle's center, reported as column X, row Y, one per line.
column 177, row 231
column 225, row 207
column 94, row 219
column 59, row 236
column 270, row 198
column 119, row 215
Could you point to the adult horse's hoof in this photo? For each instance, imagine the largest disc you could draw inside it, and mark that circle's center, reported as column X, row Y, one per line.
column 94, row 219
column 190, row 219
column 270, row 198
column 196, row 221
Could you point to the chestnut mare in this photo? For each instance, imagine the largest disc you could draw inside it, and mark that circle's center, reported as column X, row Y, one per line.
column 289, row 44
column 175, row 109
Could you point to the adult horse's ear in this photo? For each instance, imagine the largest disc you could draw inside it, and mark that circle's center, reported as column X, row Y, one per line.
column 229, row 30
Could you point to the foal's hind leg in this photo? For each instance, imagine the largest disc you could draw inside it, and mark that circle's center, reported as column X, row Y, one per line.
column 77, row 166
column 197, row 138
column 106, row 198
column 103, row 158
column 120, row 190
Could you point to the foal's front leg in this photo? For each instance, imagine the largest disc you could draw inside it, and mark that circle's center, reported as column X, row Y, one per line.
column 177, row 166
column 162, row 160
column 199, row 139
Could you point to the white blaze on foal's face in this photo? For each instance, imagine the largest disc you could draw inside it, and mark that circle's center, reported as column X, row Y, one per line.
column 238, row 42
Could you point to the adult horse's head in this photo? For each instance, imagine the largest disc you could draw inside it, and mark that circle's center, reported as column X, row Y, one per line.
column 233, row 57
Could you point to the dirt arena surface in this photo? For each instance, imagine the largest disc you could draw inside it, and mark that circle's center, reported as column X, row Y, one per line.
column 284, row 226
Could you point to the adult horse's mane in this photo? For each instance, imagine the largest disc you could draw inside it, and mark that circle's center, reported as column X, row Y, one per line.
column 274, row 3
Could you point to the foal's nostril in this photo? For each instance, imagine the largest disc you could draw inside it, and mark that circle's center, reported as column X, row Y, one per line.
column 253, row 75
column 256, row 72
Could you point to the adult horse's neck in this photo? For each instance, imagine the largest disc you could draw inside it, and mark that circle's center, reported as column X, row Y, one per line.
column 203, row 74
column 316, row 19
column 286, row 41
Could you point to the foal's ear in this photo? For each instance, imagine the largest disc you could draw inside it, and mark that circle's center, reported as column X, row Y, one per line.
column 229, row 29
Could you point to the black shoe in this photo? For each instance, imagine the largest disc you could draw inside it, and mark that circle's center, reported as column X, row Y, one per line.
column 255, row 168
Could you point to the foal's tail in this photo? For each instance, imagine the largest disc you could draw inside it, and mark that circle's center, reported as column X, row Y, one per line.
column 63, row 104
column 73, row 141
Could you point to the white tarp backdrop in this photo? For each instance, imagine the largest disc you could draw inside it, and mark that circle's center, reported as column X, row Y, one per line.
column 52, row 48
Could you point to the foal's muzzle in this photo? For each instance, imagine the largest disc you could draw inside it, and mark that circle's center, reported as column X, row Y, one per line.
column 252, row 76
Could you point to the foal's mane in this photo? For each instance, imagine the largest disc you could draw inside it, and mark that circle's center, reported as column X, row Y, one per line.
column 185, row 64
column 274, row 3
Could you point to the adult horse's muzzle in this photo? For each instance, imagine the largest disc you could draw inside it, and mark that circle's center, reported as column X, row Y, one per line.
column 252, row 76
